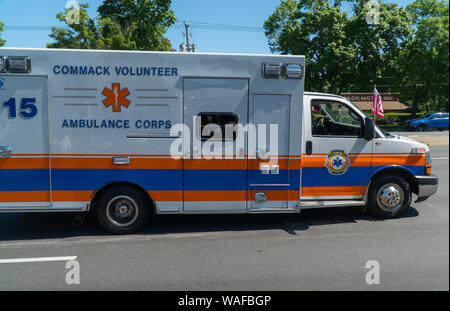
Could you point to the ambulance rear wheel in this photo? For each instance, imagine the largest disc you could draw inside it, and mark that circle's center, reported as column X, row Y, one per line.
column 123, row 210
column 389, row 196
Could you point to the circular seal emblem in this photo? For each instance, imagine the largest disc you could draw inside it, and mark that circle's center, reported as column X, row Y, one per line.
column 337, row 162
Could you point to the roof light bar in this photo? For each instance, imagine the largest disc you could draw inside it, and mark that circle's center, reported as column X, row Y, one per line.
column 2, row 64
column 271, row 71
column 292, row 71
column 18, row 64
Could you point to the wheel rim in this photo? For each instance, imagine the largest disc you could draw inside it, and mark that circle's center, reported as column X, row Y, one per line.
column 390, row 197
column 122, row 210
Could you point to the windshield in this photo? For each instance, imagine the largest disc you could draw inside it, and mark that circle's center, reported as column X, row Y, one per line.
column 383, row 132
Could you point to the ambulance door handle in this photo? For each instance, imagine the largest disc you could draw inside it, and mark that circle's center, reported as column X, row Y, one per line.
column 5, row 151
column 262, row 153
column 309, row 147
column 121, row 160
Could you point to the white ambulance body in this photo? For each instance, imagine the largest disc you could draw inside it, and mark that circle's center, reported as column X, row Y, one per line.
column 128, row 134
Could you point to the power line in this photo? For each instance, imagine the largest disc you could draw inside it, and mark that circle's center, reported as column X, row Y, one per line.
column 215, row 26
column 177, row 25
column 13, row 28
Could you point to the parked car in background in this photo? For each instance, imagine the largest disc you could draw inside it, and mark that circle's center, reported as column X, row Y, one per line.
column 437, row 120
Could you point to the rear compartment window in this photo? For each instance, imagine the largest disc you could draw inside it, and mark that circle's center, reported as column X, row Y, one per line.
column 214, row 125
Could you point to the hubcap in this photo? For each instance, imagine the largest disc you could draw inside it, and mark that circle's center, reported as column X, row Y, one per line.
column 390, row 197
column 122, row 211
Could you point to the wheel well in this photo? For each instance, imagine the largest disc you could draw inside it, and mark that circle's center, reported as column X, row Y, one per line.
column 408, row 176
column 99, row 192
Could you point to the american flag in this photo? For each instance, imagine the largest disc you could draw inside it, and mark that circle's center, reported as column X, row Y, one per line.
column 377, row 106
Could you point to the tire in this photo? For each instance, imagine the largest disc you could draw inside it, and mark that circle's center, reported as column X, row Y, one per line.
column 389, row 197
column 123, row 210
column 421, row 127
column 440, row 129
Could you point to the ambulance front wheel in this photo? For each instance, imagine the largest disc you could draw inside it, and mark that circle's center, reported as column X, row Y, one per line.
column 123, row 210
column 389, row 196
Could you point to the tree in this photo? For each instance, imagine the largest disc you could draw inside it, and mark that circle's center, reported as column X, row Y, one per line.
column 315, row 29
column 2, row 42
column 377, row 45
column 91, row 34
column 406, row 52
column 111, row 31
column 424, row 61
column 149, row 19
column 343, row 52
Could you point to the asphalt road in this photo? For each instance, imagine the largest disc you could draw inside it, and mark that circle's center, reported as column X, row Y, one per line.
column 428, row 132
column 322, row 249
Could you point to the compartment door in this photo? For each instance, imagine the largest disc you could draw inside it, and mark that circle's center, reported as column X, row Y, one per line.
column 24, row 147
column 269, row 170
column 215, row 178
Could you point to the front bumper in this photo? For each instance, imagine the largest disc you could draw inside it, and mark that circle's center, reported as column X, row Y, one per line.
column 426, row 187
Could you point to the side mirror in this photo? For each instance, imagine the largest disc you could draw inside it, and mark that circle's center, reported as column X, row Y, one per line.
column 369, row 129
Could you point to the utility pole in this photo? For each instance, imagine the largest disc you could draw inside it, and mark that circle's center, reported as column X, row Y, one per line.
column 189, row 47
column 186, row 26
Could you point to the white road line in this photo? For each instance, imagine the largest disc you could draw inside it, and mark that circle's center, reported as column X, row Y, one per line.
column 443, row 158
column 38, row 259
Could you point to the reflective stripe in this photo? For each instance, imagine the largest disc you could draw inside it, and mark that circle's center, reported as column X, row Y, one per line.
column 163, row 196
column 24, row 196
column 94, row 162
column 76, row 177
column 333, row 191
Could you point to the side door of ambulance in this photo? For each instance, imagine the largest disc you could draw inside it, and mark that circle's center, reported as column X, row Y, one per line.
column 213, row 179
column 337, row 160
column 24, row 146
column 271, row 178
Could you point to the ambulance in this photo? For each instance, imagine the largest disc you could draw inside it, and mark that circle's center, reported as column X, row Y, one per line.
column 128, row 135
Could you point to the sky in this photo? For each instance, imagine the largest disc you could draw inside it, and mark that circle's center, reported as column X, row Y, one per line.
column 27, row 22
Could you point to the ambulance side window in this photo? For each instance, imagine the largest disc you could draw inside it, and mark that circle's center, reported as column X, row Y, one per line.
column 330, row 118
column 217, row 126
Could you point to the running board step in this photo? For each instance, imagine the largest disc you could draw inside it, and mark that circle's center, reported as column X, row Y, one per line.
column 320, row 204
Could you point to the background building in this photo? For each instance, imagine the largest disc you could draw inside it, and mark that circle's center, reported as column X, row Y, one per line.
column 390, row 102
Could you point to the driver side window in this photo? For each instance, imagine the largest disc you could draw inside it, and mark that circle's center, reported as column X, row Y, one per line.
column 330, row 118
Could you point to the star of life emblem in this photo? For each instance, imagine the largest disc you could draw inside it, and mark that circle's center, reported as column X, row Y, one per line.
column 337, row 162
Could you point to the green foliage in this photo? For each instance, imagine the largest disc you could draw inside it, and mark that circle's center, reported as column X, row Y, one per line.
column 315, row 29
column 343, row 52
column 423, row 62
column 91, row 34
column 394, row 118
column 117, row 30
column 406, row 52
column 149, row 20
column 377, row 45
column 388, row 119
column 2, row 42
